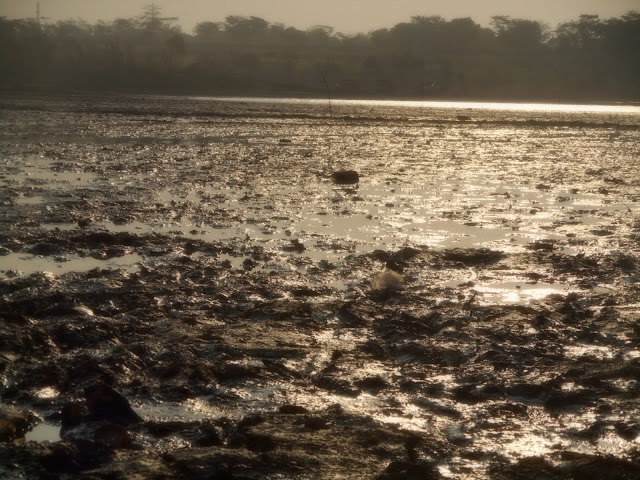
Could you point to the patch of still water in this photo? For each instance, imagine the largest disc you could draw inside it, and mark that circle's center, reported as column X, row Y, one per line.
column 18, row 264
column 43, row 432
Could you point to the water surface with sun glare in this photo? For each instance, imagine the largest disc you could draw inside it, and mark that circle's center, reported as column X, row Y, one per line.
column 196, row 259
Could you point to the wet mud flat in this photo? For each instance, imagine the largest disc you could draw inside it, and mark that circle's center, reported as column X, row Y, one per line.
column 186, row 292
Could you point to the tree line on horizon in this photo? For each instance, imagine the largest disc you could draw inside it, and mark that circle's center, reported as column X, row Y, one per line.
column 586, row 59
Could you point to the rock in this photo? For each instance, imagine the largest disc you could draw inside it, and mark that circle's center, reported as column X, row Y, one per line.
column 14, row 423
column 407, row 470
column 293, row 410
column 248, row 264
column 294, row 246
column 105, row 403
column 8, row 430
column 345, row 177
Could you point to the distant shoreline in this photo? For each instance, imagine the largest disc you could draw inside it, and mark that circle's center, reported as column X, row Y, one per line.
column 313, row 96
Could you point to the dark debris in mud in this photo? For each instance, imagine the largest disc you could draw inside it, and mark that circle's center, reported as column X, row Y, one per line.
column 488, row 370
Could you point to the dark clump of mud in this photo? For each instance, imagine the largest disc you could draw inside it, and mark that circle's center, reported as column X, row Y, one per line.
column 205, row 309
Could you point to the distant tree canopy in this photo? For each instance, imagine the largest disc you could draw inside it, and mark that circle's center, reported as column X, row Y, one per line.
column 589, row 58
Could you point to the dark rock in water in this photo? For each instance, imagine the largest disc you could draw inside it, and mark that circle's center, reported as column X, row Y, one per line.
column 113, row 435
column 248, row 264
column 345, row 177
column 85, row 222
column 463, row 118
column 293, row 410
column 407, row 470
column 294, row 246
column 7, row 430
column 105, row 403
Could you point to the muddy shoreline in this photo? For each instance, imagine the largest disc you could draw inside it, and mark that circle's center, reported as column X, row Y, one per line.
column 193, row 299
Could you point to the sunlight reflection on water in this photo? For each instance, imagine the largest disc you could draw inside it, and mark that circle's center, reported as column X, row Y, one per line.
column 521, row 107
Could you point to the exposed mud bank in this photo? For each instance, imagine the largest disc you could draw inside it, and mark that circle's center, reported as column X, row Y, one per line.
column 194, row 300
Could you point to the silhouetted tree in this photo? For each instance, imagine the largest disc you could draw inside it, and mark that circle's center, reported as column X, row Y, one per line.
column 587, row 58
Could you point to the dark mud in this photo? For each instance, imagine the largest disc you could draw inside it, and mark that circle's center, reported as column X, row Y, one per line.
column 192, row 299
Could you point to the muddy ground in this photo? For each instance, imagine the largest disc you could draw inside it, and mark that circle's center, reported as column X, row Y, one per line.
column 186, row 292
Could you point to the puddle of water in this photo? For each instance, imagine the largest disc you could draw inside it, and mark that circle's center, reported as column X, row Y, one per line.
column 16, row 264
column 65, row 227
column 519, row 293
column 191, row 410
column 43, row 432
column 42, row 174
column 593, row 351
column 22, row 200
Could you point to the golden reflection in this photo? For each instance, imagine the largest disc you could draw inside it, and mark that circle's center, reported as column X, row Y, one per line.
column 515, row 107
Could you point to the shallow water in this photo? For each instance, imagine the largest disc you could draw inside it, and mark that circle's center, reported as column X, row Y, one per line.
column 191, row 193
column 17, row 264
column 480, row 184
column 43, row 432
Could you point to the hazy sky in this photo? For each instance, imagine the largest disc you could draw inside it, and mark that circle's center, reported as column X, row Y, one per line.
column 347, row 16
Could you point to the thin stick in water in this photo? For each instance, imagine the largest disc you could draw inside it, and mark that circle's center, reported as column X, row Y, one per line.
column 326, row 84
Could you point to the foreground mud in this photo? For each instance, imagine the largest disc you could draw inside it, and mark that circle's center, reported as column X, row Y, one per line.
column 186, row 293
